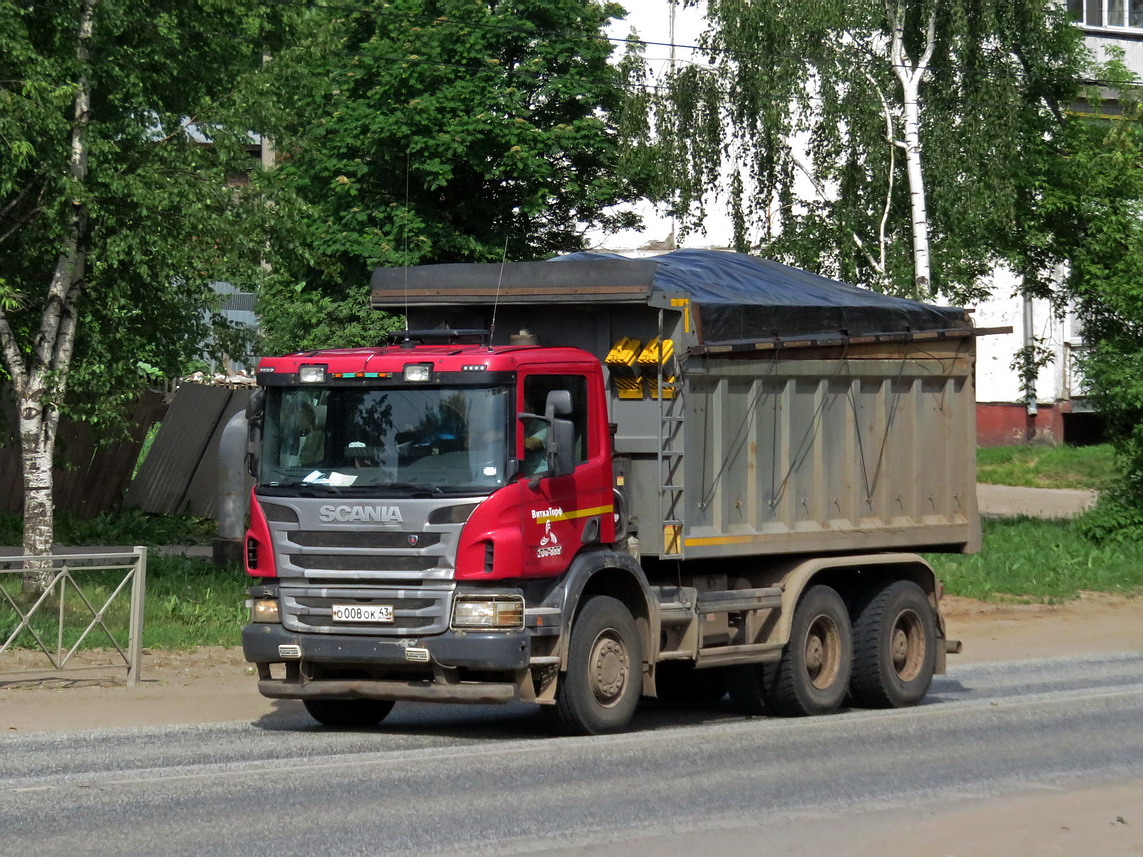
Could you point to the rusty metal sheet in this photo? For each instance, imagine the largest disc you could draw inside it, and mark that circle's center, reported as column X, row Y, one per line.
column 11, row 480
column 163, row 483
column 97, row 474
column 90, row 475
column 202, row 492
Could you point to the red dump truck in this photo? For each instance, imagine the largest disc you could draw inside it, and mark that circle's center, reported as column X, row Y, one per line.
column 588, row 480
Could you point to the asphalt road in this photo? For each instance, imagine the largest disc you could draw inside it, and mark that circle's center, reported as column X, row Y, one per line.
column 487, row 780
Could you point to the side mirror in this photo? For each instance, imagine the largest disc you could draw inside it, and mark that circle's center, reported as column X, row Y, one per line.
column 256, row 406
column 558, row 404
column 253, row 445
column 255, row 410
column 561, row 448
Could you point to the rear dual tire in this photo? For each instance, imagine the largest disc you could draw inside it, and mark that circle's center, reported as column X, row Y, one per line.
column 884, row 656
column 812, row 674
column 895, row 646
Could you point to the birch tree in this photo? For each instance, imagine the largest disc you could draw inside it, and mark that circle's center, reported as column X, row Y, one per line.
column 115, row 214
column 909, row 74
column 809, row 104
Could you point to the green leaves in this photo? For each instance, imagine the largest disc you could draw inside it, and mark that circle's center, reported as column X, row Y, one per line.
column 417, row 131
column 164, row 143
column 802, row 100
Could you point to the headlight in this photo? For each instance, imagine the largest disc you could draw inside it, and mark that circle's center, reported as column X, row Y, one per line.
column 264, row 610
column 494, row 611
column 311, row 374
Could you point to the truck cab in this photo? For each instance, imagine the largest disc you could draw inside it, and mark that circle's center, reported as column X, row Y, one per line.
column 414, row 507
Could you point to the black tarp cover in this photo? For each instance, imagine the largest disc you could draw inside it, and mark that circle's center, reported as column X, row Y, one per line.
column 741, row 298
column 735, row 298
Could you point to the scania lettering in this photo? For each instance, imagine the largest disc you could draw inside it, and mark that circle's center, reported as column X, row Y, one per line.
column 690, row 476
column 378, row 514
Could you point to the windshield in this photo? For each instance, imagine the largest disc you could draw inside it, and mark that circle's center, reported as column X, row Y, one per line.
column 408, row 439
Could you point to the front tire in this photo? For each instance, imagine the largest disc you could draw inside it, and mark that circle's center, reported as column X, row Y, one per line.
column 895, row 647
column 348, row 713
column 812, row 676
column 604, row 678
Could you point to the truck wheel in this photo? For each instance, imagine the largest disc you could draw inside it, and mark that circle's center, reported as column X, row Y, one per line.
column 604, row 678
column 812, row 676
column 894, row 647
column 348, row 713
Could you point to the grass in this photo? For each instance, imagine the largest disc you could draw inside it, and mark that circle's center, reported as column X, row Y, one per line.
column 190, row 602
column 1028, row 559
column 1047, row 467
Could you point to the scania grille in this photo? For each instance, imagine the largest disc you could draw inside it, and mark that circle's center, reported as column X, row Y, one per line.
column 418, row 611
column 367, row 541
column 359, row 562
column 329, row 553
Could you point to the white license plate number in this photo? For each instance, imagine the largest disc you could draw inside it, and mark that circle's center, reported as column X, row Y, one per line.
column 362, row 612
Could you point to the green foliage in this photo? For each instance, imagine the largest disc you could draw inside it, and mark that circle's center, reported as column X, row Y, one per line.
column 1093, row 216
column 123, row 528
column 816, row 76
column 1089, row 467
column 1040, row 560
column 161, row 220
column 421, row 131
column 1027, row 363
column 1116, row 519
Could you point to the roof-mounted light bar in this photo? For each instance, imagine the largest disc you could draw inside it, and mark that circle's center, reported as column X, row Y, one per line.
column 448, row 336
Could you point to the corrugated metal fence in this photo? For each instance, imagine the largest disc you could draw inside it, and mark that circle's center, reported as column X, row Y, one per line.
column 179, row 475
column 90, row 477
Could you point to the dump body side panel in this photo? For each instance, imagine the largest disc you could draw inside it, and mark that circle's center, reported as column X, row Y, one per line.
column 827, row 455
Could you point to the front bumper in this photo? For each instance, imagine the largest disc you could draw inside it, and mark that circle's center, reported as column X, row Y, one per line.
column 438, row 679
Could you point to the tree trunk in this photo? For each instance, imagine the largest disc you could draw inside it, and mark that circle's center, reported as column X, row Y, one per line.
column 39, row 511
column 909, row 75
column 41, row 381
column 922, row 266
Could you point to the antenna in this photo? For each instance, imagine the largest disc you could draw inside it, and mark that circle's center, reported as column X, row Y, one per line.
column 406, row 231
column 496, row 301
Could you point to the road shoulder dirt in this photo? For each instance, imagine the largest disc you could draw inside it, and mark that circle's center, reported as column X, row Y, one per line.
column 215, row 684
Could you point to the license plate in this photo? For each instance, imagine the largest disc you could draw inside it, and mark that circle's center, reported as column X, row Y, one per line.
column 362, row 612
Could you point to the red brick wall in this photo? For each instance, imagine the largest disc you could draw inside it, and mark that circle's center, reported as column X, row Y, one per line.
column 1007, row 424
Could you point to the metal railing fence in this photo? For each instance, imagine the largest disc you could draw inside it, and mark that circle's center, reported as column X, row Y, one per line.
column 61, row 570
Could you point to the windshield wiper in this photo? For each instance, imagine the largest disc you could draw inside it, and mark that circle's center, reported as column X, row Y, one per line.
column 303, row 489
column 420, row 487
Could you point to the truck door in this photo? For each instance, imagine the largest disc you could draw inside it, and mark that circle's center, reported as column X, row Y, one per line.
column 560, row 513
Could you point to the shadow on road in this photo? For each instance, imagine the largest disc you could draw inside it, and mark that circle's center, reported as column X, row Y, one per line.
column 483, row 722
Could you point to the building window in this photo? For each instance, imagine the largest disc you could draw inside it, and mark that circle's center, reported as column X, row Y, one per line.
column 1107, row 13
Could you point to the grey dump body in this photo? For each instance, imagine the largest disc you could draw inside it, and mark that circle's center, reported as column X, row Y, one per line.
column 799, row 417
